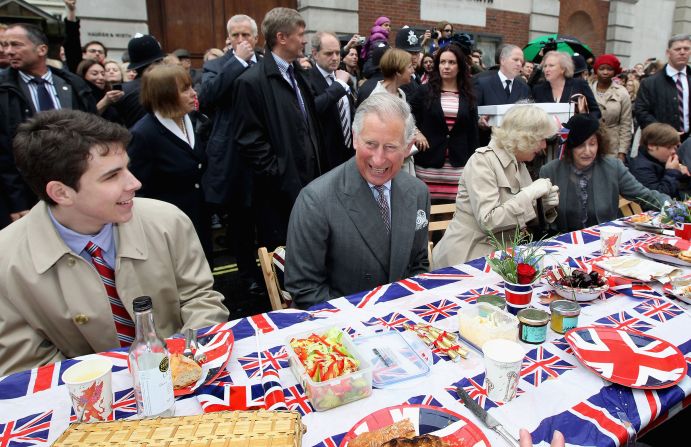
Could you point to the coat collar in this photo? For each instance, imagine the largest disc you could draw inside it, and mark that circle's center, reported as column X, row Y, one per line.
column 47, row 247
column 505, row 158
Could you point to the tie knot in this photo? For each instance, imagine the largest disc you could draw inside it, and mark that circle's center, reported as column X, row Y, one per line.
column 380, row 189
column 508, row 82
column 92, row 249
column 38, row 81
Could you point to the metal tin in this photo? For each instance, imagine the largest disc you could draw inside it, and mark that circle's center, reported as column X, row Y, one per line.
column 564, row 315
column 495, row 300
column 532, row 325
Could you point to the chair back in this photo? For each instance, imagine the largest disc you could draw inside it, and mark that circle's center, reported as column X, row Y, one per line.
column 271, row 263
column 629, row 208
column 440, row 217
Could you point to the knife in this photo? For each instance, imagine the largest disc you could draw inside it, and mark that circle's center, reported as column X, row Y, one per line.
column 485, row 417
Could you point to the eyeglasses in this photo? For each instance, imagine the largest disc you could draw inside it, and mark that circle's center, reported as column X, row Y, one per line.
column 95, row 50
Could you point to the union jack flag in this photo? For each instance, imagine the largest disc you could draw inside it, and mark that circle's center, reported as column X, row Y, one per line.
column 264, row 323
column 424, row 399
column 27, row 431
column 438, row 310
column 391, row 321
column 475, row 388
column 277, row 357
column 637, row 243
column 639, row 290
column 297, row 400
column 622, row 320
column 331, row 441
column 368, row 298
column 441, row 277
column 225, row 396
column 580, row 237
column 562, row 344
column 540, row 365
column 470, row 296
column 639, row 355
column 658, row 309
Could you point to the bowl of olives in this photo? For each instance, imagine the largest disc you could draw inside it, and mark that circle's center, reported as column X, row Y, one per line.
column 576, row 284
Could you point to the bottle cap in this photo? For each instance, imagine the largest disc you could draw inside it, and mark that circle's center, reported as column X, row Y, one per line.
column 142, row 303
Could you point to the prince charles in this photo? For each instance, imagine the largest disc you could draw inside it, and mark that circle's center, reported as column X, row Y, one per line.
column 364, row 223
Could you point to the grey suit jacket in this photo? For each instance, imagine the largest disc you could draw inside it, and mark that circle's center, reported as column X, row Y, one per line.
column 337, row 242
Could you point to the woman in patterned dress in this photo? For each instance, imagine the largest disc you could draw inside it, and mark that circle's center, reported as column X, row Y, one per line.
column 446, row 114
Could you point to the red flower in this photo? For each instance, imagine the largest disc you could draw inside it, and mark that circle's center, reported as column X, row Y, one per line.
column 526, row 273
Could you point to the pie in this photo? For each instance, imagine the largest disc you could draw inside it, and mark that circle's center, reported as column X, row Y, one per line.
column 400, row 429
column 640, row 218
column 185, row 371
column 685, row 255
column 663, row 249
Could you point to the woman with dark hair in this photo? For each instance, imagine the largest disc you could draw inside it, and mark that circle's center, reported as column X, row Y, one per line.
column 427, row 67
column 446, row 115
column 590, row 183
column 94, row 73
column 166, row 153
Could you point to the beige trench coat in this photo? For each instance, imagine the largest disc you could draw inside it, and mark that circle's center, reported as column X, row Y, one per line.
column 615, row 106
column 489, row 199
column 53, row 304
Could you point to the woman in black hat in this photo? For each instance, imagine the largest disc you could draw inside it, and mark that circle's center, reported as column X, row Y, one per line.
column 590, row 183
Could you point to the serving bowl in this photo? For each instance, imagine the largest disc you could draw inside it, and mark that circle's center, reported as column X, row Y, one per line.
column 552, row 277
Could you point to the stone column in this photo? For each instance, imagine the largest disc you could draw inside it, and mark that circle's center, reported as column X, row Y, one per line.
column 620, row 32
column 544, row 18
column 338, row 16
column 682, row 17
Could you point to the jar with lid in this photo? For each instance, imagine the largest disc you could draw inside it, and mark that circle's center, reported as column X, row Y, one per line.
column 564, row 315
column 532, row 325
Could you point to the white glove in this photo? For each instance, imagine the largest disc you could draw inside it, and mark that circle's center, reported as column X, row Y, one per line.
column 551, row 200
column 538, row 188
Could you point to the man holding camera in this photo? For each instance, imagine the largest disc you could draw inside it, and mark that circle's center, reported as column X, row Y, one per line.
column 333, row 99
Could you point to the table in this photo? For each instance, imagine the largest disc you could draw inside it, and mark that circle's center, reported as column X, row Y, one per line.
column 555, row 390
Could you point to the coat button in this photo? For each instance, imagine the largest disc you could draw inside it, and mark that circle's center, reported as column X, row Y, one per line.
column 71, row 262
column 196, row 185
column 81, row 319
column 199, row 166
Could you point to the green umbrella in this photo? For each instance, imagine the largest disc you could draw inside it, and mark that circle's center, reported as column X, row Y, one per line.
column 559, row 42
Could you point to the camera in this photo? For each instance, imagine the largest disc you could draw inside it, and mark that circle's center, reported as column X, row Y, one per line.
column 361, row 40
column 116, row 87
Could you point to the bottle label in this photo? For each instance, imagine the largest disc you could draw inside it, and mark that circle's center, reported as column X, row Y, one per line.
column 157, row 388
column 569, row 323
column 533, row 334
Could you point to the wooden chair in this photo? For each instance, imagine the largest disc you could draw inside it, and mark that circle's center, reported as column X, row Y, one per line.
column 440, row 216
column 276, row 295
column 629, row 208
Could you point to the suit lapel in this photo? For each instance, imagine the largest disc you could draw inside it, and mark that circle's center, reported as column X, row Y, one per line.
column 498, row 89
column 177, row 141
column 362, row 209
column 403, row 214
column 64, row 91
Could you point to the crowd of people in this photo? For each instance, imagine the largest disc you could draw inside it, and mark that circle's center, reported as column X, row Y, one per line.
column 336, row 153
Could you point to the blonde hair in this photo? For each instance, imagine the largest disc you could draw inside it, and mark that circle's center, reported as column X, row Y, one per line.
column 522, row 129
column 564, row 61
column 394, row 61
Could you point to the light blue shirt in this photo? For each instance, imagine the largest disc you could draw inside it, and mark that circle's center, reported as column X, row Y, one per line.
column 77, row 241
column 48, row 77
column 387, row 193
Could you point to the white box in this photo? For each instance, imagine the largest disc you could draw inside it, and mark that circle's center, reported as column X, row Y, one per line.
column 496, row 113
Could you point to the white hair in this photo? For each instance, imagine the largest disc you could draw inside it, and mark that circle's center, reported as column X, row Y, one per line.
column 386, row 106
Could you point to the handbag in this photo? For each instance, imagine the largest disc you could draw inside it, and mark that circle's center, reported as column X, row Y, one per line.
column 580, row 103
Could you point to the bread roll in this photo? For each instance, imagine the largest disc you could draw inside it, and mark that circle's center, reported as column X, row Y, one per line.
column 400, row 429
column 185, row 371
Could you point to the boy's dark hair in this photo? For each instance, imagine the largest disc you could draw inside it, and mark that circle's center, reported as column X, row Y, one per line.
column 56, row 146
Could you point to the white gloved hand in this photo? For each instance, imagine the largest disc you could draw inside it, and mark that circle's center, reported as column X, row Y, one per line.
column 538, row 188
column 551, row 200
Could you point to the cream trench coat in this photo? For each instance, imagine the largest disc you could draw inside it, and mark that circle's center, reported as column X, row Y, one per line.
column 615, row 105
column 489, row 199
column 53, row 304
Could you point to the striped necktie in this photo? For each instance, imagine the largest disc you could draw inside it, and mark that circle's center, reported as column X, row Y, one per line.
column 343, row 111
column 680, row 94
column 294, row 84
column 45, row 102
column 124, row 325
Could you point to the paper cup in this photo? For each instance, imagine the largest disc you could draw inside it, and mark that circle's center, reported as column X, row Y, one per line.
column 503, row 359
column 610, row 238
column 89, row 383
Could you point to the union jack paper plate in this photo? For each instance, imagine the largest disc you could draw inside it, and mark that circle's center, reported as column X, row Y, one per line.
column 629, row 358
column 677, row 242
column 217, row 345
column 454, row 429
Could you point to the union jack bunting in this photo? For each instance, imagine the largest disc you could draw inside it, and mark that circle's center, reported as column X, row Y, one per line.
column 424, row 399
column 296, row 399
column 540, row 365
column 438, row 310
column 622, row 320
column 470, row 296
column 475, row 389
column 226, row 397
column 580, row 237
column 658, row 309
column 562, row 344
column 276, row 357
column 26, row 431
column 391, row 321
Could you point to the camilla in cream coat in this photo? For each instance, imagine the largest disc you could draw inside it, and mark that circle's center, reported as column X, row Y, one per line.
column 496, row 192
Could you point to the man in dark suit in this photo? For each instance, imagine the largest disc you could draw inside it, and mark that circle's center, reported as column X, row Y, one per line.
column 276, row 127
column 333, row 99
column 29, row 86
column 227, row 181
column 504, row 86
column 364, row 223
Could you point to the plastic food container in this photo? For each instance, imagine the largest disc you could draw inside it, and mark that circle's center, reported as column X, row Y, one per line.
column 393, row 359
column 482, row 322
column 338, row 391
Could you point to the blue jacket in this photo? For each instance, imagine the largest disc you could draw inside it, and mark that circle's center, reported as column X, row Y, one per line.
column 653, row 175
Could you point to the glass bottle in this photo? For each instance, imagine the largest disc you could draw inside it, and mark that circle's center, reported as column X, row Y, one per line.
column 149, row 365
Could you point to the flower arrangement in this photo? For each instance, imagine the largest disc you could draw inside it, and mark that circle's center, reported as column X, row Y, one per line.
column 675, row 213
column 519, row 259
